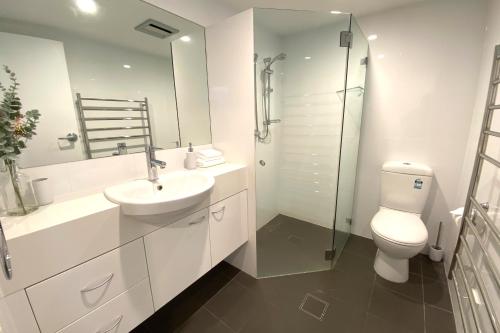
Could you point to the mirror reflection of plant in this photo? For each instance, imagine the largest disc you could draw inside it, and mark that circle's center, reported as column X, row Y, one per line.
column 16, row 128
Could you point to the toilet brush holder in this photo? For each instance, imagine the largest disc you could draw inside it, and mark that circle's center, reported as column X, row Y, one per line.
column 436, row 253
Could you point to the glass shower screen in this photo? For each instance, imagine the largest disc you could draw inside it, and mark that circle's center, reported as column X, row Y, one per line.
column 306, row 136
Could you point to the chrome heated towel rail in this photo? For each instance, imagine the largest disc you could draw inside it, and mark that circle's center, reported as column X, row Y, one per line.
column 475, row 268
column 138, row 126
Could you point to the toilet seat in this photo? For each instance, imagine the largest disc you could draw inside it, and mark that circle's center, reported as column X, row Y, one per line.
column 399, row 227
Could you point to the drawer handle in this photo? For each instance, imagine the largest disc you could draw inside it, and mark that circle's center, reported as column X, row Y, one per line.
column 98, row 285
column 6, row 258
column 116, row 323
column 221, row 212
column 198, row 221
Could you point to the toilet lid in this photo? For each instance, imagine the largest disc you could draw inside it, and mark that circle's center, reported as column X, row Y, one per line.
column 399, row 227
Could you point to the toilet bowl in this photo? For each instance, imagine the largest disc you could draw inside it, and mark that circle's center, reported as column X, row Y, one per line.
column 397, row 229
column 399, row 236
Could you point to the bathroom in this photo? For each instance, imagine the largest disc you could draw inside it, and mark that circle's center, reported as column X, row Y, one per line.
column 249, row 166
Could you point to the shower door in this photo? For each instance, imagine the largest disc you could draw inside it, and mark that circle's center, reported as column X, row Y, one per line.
column 306, row 147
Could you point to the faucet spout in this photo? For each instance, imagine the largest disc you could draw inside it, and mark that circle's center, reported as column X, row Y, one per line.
column 152, row 163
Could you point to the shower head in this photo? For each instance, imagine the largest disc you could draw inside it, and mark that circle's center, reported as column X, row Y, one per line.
column 268, row 61
column 281, row 56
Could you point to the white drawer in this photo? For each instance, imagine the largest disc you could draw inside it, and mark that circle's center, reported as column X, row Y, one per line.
column 178, row 255
column 228, row 226
column 120, row 315
column 64, row 298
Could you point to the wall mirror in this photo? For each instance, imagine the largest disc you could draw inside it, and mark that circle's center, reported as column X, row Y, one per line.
column 107, row 76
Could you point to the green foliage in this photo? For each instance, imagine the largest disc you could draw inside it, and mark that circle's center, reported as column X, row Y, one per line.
column 16, row 128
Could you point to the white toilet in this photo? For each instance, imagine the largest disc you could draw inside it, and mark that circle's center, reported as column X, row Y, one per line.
column 397, row 229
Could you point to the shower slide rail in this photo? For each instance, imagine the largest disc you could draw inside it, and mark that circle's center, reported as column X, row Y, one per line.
column 474, row 270
column 143, row 122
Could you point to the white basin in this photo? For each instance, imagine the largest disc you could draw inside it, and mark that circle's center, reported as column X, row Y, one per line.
column 170, row 193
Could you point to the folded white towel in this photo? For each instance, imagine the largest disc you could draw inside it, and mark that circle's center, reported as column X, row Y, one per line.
column 209, row 153
column 201, row 163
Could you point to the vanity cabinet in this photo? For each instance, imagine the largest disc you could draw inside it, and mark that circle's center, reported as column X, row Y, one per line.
column 178, row 254
column 119, row 289
column 228, row 226
column 66, row 297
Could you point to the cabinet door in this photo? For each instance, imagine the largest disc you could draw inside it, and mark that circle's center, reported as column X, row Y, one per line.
column 177, row 255
column 228, row 226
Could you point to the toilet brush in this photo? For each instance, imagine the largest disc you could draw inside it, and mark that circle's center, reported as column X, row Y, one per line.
column 436, row 252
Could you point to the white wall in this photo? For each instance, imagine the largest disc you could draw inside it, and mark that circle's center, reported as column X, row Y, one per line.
column 268, row 44
column 231, row 109
column 488, row 190
column 420, row 92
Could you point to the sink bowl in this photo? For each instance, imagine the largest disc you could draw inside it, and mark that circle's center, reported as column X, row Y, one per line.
column 170, row 193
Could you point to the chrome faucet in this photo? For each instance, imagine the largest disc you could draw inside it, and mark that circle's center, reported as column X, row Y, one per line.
column 152, row 163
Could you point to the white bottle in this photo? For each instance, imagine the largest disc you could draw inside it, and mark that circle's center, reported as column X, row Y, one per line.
column 190, row 161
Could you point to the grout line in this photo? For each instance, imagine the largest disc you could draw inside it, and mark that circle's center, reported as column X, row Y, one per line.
column 371, row 292
column 216, row 317
column 423, row 293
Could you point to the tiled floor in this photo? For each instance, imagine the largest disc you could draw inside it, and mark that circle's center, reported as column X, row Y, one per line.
column 350, row 298
column 287, row 245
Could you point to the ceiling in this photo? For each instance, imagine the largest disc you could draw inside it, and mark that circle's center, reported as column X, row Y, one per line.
column 113, row 23
column 357, row 7
column 290, row 22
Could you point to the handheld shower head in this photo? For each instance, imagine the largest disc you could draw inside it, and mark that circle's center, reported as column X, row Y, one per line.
column 268, row 61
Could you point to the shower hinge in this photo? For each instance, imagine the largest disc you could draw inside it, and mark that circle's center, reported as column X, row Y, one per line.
column 346, row 39
column 329, row 254
column 348, row 220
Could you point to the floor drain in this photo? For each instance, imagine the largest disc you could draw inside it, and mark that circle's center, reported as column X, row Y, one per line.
column 314, row 306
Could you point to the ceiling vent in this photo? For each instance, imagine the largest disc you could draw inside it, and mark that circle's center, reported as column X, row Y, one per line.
column 156, row 29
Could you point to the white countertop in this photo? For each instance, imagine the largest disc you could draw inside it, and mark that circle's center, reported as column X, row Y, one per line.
column 66, row 211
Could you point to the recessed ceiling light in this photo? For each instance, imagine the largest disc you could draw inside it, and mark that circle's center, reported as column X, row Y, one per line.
column 87, row 6
column 335, row 12
column 307, row 58
column 127, row 66
column 186, row 38
column 372, row 37
column 381, row 56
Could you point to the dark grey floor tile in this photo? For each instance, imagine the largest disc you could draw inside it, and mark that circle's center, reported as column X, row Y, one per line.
column 431, row 269
column 361, row 246
column 399, row 310
column 268, row 318
column 412, row 288
column 438, row 321
column 354, row 264
column 234, row 305
column 436, row 293
column 203, row 322
column 353, row 289
column 287, row 245
column 142, row 328
column 374, row 324
column 340, row 317
column 416, row 264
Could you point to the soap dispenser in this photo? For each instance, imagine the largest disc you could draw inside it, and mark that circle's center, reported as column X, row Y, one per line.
column 190, row 161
